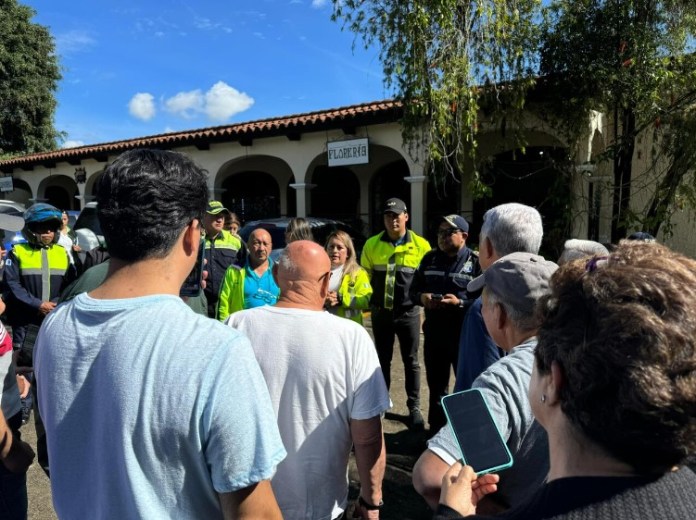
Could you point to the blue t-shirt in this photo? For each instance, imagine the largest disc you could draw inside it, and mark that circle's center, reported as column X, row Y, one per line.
column 260, row 290
column 477, row 351
column 150, row 409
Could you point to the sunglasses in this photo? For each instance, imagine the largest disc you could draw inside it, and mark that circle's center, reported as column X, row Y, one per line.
column 448, row 231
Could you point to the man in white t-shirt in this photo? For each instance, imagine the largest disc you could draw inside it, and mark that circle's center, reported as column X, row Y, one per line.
column 327, row 389
column 151, row 410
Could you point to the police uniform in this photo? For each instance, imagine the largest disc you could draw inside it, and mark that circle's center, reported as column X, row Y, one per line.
column 439, row 273
column 221, row 252
column 391, row 266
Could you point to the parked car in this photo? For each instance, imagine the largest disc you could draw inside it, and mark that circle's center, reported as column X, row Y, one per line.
column 321, row 229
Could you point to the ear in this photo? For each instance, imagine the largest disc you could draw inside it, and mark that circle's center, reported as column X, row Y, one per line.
column 555, row 383
column 499, row 316
column 324, row 290
column 489, row 247
column 406, row 219
column 465, row 235
column 192, row 237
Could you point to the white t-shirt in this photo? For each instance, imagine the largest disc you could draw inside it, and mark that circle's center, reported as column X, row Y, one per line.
column 322, row 371
column 150, row 409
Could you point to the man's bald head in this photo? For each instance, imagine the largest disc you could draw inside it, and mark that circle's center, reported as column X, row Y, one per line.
column 302, row 273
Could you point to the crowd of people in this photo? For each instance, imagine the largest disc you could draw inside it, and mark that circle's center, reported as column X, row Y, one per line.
column 246, row 400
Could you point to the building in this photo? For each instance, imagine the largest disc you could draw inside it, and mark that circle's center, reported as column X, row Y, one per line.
column 343, row 163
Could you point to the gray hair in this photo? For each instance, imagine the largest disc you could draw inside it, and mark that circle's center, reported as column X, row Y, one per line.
column 575, row 249
column 513, row 228
column 521, row 320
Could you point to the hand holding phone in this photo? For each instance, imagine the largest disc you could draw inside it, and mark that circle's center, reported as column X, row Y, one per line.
column 481, row 445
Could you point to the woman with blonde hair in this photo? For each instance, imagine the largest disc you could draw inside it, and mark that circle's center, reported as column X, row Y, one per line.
column 349, row 287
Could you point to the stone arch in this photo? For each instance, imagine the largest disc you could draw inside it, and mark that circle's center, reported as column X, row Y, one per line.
column 336, row 194
column 254, row 186
column 59, row 191
column 387, row 182
column 91, row 185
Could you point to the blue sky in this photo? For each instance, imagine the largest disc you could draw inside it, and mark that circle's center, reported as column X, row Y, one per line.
column 136, row 68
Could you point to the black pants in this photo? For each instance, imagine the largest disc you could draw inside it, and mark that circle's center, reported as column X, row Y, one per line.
column 406, row 326
column 440, row 351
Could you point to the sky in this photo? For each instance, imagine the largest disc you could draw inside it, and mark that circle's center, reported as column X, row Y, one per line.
column 134, row 68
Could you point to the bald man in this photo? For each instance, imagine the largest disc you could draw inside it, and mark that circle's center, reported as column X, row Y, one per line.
column 327, row 389
column 252, row 285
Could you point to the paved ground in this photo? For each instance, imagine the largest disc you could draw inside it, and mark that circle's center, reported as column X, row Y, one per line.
column 403, row 449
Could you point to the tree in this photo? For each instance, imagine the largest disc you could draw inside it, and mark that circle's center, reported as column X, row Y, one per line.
column 29, row 75
column 435, row 52
column 629, row 59
column 448, row 59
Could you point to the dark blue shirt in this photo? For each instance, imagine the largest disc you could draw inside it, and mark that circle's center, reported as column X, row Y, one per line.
column 477, row 351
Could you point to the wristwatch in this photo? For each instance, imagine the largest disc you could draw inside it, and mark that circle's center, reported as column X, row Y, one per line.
column 368, row 506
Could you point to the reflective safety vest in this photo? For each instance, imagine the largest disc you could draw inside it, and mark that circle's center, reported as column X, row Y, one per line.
column 34, row 275
column 354, row 293
column 391, row 268
column 223, row 251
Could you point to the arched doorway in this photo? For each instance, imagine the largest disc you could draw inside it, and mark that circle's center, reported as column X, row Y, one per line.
column 59, row 191
column 20, row 193
column 386, row 183
column 336, row 195
column 251, row 195
column 540, row 177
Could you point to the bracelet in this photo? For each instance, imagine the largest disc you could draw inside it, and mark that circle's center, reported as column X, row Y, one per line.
column 368, row 506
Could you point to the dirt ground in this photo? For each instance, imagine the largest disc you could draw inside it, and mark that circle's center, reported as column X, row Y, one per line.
column 403, row 448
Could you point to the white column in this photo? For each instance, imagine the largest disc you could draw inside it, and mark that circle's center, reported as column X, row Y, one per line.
column 301, row 189
column 417, row 209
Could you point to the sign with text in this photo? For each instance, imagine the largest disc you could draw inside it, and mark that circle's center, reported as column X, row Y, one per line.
column 343, row 153
column 6, row 184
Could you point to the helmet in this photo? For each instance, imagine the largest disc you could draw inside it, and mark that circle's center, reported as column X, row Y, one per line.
column 41, row 213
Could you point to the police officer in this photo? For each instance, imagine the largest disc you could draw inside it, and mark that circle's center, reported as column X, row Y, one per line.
column 440, row 286
column 391, row 258
column 222, row 249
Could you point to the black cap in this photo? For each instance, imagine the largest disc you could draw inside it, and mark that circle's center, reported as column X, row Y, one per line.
column 394, row 205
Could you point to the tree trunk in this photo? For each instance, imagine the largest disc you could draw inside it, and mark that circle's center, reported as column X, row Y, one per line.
column 623, row 164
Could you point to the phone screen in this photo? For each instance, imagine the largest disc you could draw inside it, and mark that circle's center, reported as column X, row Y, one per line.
column 192, row 284
column 478, row 437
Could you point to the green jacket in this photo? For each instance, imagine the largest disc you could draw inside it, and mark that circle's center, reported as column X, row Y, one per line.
column 231, row 297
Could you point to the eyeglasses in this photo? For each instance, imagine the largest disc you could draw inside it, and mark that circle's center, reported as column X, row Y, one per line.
column 447, row 231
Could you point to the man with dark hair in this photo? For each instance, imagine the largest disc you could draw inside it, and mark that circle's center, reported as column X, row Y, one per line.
column 153, row 411
column 440, row 286
column 391, row 258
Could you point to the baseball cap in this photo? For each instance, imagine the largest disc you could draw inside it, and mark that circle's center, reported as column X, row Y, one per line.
column 394, row 205
column 215, row 208
column 518, row 279
column 457, row 221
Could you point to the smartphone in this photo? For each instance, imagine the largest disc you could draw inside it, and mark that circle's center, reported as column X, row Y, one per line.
column 436, row 297
column 481, row 445
column 192, row 284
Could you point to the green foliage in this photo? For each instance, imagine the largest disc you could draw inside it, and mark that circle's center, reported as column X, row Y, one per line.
column 629, row 59
column 434, row 52
column 29, row 75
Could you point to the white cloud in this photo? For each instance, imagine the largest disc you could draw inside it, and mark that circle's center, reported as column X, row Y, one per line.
column 73, row 41
column 318, row 4
column 185, row 104
column 142, row 106
column 223, row 101
column 72, row 143
column 220, row 102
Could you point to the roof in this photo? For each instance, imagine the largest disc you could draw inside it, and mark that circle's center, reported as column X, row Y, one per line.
column 293, row 126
